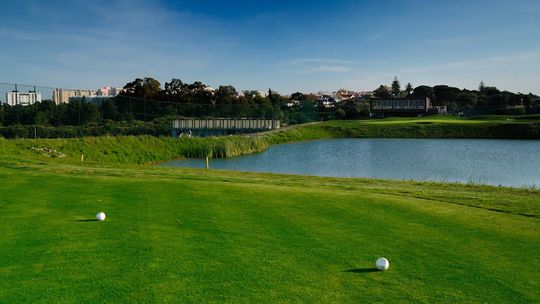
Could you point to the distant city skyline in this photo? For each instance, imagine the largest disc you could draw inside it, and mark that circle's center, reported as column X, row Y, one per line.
column 289, row 46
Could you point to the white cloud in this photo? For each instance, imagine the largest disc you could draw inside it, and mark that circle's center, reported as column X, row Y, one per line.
column 327, row 68
column 317, row 65
column 300, row 61
column 112, row 39
column 17, row 34
column 483, row 63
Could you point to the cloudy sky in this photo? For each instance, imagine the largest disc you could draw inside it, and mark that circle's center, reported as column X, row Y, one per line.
column 284, row 45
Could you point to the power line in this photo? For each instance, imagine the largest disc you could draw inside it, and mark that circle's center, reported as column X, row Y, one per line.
column 44, row 87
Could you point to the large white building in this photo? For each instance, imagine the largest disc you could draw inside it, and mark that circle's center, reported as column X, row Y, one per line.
column 64, row 96
column 108, row 91
column 23, row 99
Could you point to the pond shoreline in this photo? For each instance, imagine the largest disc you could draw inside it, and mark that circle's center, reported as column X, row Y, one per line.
column 491, row 162
column 150, row 149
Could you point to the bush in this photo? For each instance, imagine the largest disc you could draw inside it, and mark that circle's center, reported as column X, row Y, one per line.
column 106, row 128
column 511, row 111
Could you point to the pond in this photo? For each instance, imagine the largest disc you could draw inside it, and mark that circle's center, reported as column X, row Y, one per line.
column 495, row 162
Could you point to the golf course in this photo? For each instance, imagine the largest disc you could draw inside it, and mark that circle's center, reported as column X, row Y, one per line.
column 176, row 235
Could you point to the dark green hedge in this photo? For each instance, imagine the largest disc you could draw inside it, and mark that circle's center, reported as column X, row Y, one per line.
column 109, row 128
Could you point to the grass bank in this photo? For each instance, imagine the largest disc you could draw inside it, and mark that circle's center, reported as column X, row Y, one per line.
column 495, row 127
column 148, row 149
column 131, row 149
column 184, row 235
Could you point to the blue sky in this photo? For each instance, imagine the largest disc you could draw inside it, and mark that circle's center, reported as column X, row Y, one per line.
column 288, row 46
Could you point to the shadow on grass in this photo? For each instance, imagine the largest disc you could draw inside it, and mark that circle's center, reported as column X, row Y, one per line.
column 361, row 270
column 88, row 220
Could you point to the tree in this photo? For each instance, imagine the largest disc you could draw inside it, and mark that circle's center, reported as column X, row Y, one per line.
column 487, row 96
column 468, row 99
column 108, row 109
column 198, row 93
column 174, row 90
column 226, row 95
column 272, row 97
column 298, row 96
column 340, row 113
column 423, row 91
column 2, row 113
column 89, row 113
column 396, row 88
column 408, row 89
column 133, row 88
column 147, row 88
column 355, row 109
column 150, row 88
column 444, row 95
column 382, row 92
column 481, row 86
column 526, row 100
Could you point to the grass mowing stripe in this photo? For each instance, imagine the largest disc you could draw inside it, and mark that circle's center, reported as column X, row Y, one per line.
column 235, row 237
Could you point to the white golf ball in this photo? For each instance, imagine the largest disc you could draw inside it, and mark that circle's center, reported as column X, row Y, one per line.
column 382, row 264
column 100, row 216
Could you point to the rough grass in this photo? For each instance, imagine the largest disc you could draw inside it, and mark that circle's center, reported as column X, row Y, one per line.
column 149, row 149
column 135, row 149
column 186, row 235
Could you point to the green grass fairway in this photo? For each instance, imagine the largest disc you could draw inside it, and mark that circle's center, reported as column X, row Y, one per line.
column 178, row 236
column 438, row 126
column 443, row 119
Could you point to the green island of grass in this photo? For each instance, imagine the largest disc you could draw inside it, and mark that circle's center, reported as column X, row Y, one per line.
column 188, row 235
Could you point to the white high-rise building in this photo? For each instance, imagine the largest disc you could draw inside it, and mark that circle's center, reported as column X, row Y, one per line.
column 108, row 91
column 64, row 96
column 23, row 99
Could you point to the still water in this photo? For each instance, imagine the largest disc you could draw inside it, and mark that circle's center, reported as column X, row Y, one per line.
column 495, row 162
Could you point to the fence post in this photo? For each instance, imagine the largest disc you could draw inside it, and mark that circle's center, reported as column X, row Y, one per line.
column 79, row 112
column 144, row 100
column 80, row 129
column 130, row 115
column 57, row 113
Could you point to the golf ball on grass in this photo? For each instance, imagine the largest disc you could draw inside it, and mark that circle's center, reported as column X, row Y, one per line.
column 382, row 264
column 100, row 216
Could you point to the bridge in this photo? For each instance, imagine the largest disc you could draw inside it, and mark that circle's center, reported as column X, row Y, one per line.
column 221, row 126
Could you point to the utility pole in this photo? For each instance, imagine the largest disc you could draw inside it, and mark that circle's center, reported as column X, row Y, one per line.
column 35, row 106
column 56, row 104
column 80, row 129
column 79, row 113
column 130, row 114
column 17, row 102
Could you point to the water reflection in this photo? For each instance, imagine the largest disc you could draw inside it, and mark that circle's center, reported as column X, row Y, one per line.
column 496, row 162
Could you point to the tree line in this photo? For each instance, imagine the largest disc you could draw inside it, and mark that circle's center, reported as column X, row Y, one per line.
column 145, row 99
column 485, row 97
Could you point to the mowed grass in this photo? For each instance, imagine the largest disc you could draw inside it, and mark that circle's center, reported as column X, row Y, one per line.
column 215, row 236
column 438, row 126
column 442, row 119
